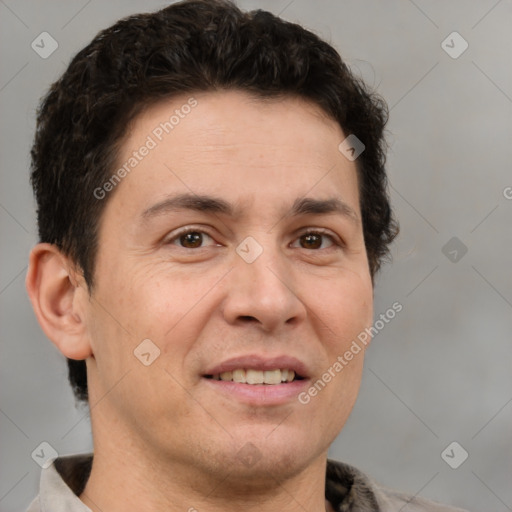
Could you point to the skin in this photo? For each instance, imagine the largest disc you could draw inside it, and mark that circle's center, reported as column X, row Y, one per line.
column 164, row 438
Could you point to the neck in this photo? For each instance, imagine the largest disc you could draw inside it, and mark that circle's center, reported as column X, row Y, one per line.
column 124, row 479
column 130, row 471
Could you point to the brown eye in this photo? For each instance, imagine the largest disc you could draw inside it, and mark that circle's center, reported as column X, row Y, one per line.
column 311, row 241
column 191, row 239
column 314, row 240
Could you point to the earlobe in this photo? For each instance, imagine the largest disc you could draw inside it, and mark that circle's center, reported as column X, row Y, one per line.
column 56, row 297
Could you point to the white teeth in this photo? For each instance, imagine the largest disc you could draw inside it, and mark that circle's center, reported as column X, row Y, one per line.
column 249, row 376
column 226, row 376
column 272, row 377
column 254, row 376
column 239, row 376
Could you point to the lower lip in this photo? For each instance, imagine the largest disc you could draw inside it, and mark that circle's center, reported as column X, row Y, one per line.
column 260, row 394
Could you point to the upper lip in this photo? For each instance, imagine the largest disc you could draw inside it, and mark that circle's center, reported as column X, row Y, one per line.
column 258, row 362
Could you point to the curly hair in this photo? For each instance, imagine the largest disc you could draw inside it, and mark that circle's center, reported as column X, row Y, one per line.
column 190, row 46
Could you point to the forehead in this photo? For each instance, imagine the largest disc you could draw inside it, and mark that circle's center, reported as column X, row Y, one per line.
column 235, row 146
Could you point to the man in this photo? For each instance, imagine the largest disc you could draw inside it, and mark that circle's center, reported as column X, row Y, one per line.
column 212, row 211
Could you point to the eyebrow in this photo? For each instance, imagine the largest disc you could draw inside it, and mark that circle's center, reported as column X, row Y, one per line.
column 215, row 205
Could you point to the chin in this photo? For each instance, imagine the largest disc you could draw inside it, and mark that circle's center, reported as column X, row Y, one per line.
column 257, row 462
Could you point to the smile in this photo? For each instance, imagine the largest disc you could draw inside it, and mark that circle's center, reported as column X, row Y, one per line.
column 251, row 376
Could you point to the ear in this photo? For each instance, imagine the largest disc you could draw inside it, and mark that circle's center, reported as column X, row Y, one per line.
column 59, row 297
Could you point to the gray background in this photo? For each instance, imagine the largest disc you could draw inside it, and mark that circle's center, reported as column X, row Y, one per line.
column 441, row 370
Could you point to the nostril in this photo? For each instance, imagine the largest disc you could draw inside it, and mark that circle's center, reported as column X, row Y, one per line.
column 248, row 318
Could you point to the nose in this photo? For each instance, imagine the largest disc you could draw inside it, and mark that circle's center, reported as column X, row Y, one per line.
column 263, row 293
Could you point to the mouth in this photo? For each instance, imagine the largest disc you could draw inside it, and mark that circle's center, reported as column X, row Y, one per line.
column 258, row 381
column 253, row 376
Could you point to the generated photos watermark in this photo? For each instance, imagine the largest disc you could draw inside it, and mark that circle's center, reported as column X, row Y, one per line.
column 363, row 338
column 152, row 140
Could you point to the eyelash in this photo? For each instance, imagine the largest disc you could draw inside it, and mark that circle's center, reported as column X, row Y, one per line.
column 318, row 231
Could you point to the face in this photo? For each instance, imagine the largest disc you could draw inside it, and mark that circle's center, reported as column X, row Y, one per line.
column 234, row 247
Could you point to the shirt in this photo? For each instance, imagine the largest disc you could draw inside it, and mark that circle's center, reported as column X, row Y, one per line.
column 346, row 488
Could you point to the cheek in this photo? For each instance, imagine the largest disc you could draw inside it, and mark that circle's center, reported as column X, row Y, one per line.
column 351, row 312
column 170, row 308
column 128, row 313
column 346, row 308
